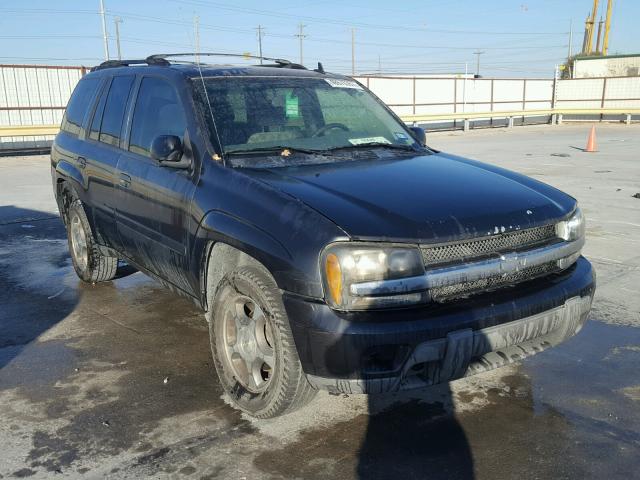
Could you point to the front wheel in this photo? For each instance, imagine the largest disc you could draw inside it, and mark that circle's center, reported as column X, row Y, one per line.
column 252, row 346
column 90, row 264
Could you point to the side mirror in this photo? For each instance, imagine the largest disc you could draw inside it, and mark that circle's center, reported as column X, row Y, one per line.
column 420, row 135
column 166, row 148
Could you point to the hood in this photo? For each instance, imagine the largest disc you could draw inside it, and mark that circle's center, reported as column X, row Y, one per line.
column 426, row 198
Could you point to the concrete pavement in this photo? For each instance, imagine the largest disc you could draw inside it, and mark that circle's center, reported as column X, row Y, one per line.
column 83, row 367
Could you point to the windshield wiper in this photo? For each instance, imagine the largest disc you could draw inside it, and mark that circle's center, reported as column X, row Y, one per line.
column 278, row 149
column 393, row 146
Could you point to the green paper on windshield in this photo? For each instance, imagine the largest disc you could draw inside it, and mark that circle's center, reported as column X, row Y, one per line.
column 291, row 106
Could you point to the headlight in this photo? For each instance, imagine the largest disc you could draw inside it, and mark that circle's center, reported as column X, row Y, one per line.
column 360, row 276
column 572, row 228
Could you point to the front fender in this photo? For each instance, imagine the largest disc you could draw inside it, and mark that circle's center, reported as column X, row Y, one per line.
column 217, row 226
column 294, row 266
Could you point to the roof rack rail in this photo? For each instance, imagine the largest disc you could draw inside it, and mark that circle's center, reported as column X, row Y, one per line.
column 126, row 63
column 161, row 59
column 278, row 62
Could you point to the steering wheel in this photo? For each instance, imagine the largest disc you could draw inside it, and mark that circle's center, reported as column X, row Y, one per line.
column 329, row 126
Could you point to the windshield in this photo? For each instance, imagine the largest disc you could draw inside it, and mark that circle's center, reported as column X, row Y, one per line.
column 304, row 114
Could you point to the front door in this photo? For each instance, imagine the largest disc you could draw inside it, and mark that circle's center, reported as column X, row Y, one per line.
column 153, row 204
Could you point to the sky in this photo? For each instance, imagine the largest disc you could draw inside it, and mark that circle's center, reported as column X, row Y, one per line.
column 519, row 38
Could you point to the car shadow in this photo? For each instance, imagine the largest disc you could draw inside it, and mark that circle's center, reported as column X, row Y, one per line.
column 38, row 287
column 412, row 434
column 412, row 437
column 36, row 283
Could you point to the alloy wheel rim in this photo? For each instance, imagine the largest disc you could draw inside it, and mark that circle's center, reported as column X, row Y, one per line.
column 79, row 242
column 248, row 343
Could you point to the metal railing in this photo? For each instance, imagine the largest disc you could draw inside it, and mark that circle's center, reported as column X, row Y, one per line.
column 556, row 115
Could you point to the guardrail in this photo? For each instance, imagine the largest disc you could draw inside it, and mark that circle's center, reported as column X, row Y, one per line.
column 28, row 130
column 557, row 115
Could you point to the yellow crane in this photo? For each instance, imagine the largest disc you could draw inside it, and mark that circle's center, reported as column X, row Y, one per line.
column 589, row 30
column 591, row 26
column 607, row 28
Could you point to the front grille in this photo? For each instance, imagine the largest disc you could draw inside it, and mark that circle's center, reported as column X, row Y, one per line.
column 436, row 256
column 483, row 247
column 461, row 290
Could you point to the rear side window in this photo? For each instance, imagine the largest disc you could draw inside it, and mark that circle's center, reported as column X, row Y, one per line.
column 94, row 130
column 158, row 112
column 114, row 109
column 79, row 103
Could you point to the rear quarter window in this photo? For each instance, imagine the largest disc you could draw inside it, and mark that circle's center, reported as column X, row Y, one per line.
column 114, row 109
column 79, row 104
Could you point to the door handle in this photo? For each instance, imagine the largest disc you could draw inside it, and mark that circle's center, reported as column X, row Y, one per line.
column 125, row 180
column 82, row 161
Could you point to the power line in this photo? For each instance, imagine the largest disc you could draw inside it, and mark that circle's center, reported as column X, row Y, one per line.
column 148, row 18
column 59, row 35
column 332, row 21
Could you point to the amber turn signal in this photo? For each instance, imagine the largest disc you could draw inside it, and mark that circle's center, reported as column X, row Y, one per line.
column 334, row 278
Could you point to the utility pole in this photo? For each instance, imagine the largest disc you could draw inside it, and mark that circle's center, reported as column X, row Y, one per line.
column 478, row 53
column 104, row 30
column 464, row 87
column 301, row 36
column 353, row 52
column 607, row 27
column 118, row 21
column 570, row 40
column 260, row 35
column 570, row 54
column 196, row 32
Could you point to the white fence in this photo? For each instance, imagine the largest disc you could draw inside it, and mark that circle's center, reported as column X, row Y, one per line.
column 34, row 95
column 421, row 96
column 424, row 96
column 38, row 94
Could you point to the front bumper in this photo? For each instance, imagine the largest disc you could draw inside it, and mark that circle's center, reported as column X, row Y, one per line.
column 370, row 352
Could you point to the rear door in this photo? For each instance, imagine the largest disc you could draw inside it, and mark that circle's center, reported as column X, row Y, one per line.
column 104, row 136
column 154, row 200
column 69, row 149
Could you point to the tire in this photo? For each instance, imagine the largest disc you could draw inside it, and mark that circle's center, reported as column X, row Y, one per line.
column 88, row 262
column 248, row 308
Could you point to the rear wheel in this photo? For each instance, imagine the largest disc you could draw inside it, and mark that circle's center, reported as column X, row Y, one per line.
column 89, row 263
column 253, row 348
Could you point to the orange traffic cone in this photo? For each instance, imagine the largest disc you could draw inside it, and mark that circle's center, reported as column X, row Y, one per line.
column 591, row 140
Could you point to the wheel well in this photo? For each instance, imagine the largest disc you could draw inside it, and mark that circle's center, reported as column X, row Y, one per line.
column 64, row 197
column 222, row 259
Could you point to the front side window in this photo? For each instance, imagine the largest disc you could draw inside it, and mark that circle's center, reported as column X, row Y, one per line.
column 79, row 104
column 114, row 109
column 158, row 111
column 312, row 114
